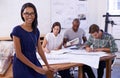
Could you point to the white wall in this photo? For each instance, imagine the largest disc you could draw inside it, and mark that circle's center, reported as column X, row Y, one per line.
column 102, row 9
column 96, row 10
column 10, row 14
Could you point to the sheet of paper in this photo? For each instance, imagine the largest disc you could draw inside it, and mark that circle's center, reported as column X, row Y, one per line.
column 54, row 59
column 62, row 51
column 83, row 52
column 73, row 42
column 92, row 61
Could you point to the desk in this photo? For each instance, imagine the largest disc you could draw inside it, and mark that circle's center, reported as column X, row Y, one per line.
column 59, row 67
column 8, row 74
column 65, row 66
column 5, row 39
column 108, row 60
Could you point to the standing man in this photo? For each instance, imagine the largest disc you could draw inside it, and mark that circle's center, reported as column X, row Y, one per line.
column 76, row 32
column 100, row 41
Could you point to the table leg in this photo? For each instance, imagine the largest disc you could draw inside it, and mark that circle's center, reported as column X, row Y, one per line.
column 108, row 68
column 80, row 72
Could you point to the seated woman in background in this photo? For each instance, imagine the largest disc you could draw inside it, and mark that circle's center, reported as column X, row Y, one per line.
column 54, row 41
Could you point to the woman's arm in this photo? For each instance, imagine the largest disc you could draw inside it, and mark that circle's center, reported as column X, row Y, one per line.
column 59, row 47
column 22, row 58
column 41, row 53
column 44, row 46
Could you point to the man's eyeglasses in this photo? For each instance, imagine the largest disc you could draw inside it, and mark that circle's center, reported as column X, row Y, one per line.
column 29, row 14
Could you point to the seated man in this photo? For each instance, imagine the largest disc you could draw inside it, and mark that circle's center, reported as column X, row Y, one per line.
column 76, row 32
column 100, row 41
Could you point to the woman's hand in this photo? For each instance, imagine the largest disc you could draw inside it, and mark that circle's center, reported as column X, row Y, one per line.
column 40, row 70
column 52, row 69
column 47, row 51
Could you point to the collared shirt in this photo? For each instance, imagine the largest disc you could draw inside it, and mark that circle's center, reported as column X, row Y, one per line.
column 107, row 41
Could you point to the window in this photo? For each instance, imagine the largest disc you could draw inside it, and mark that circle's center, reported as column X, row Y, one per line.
column 118, row 5
column 114, row 7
